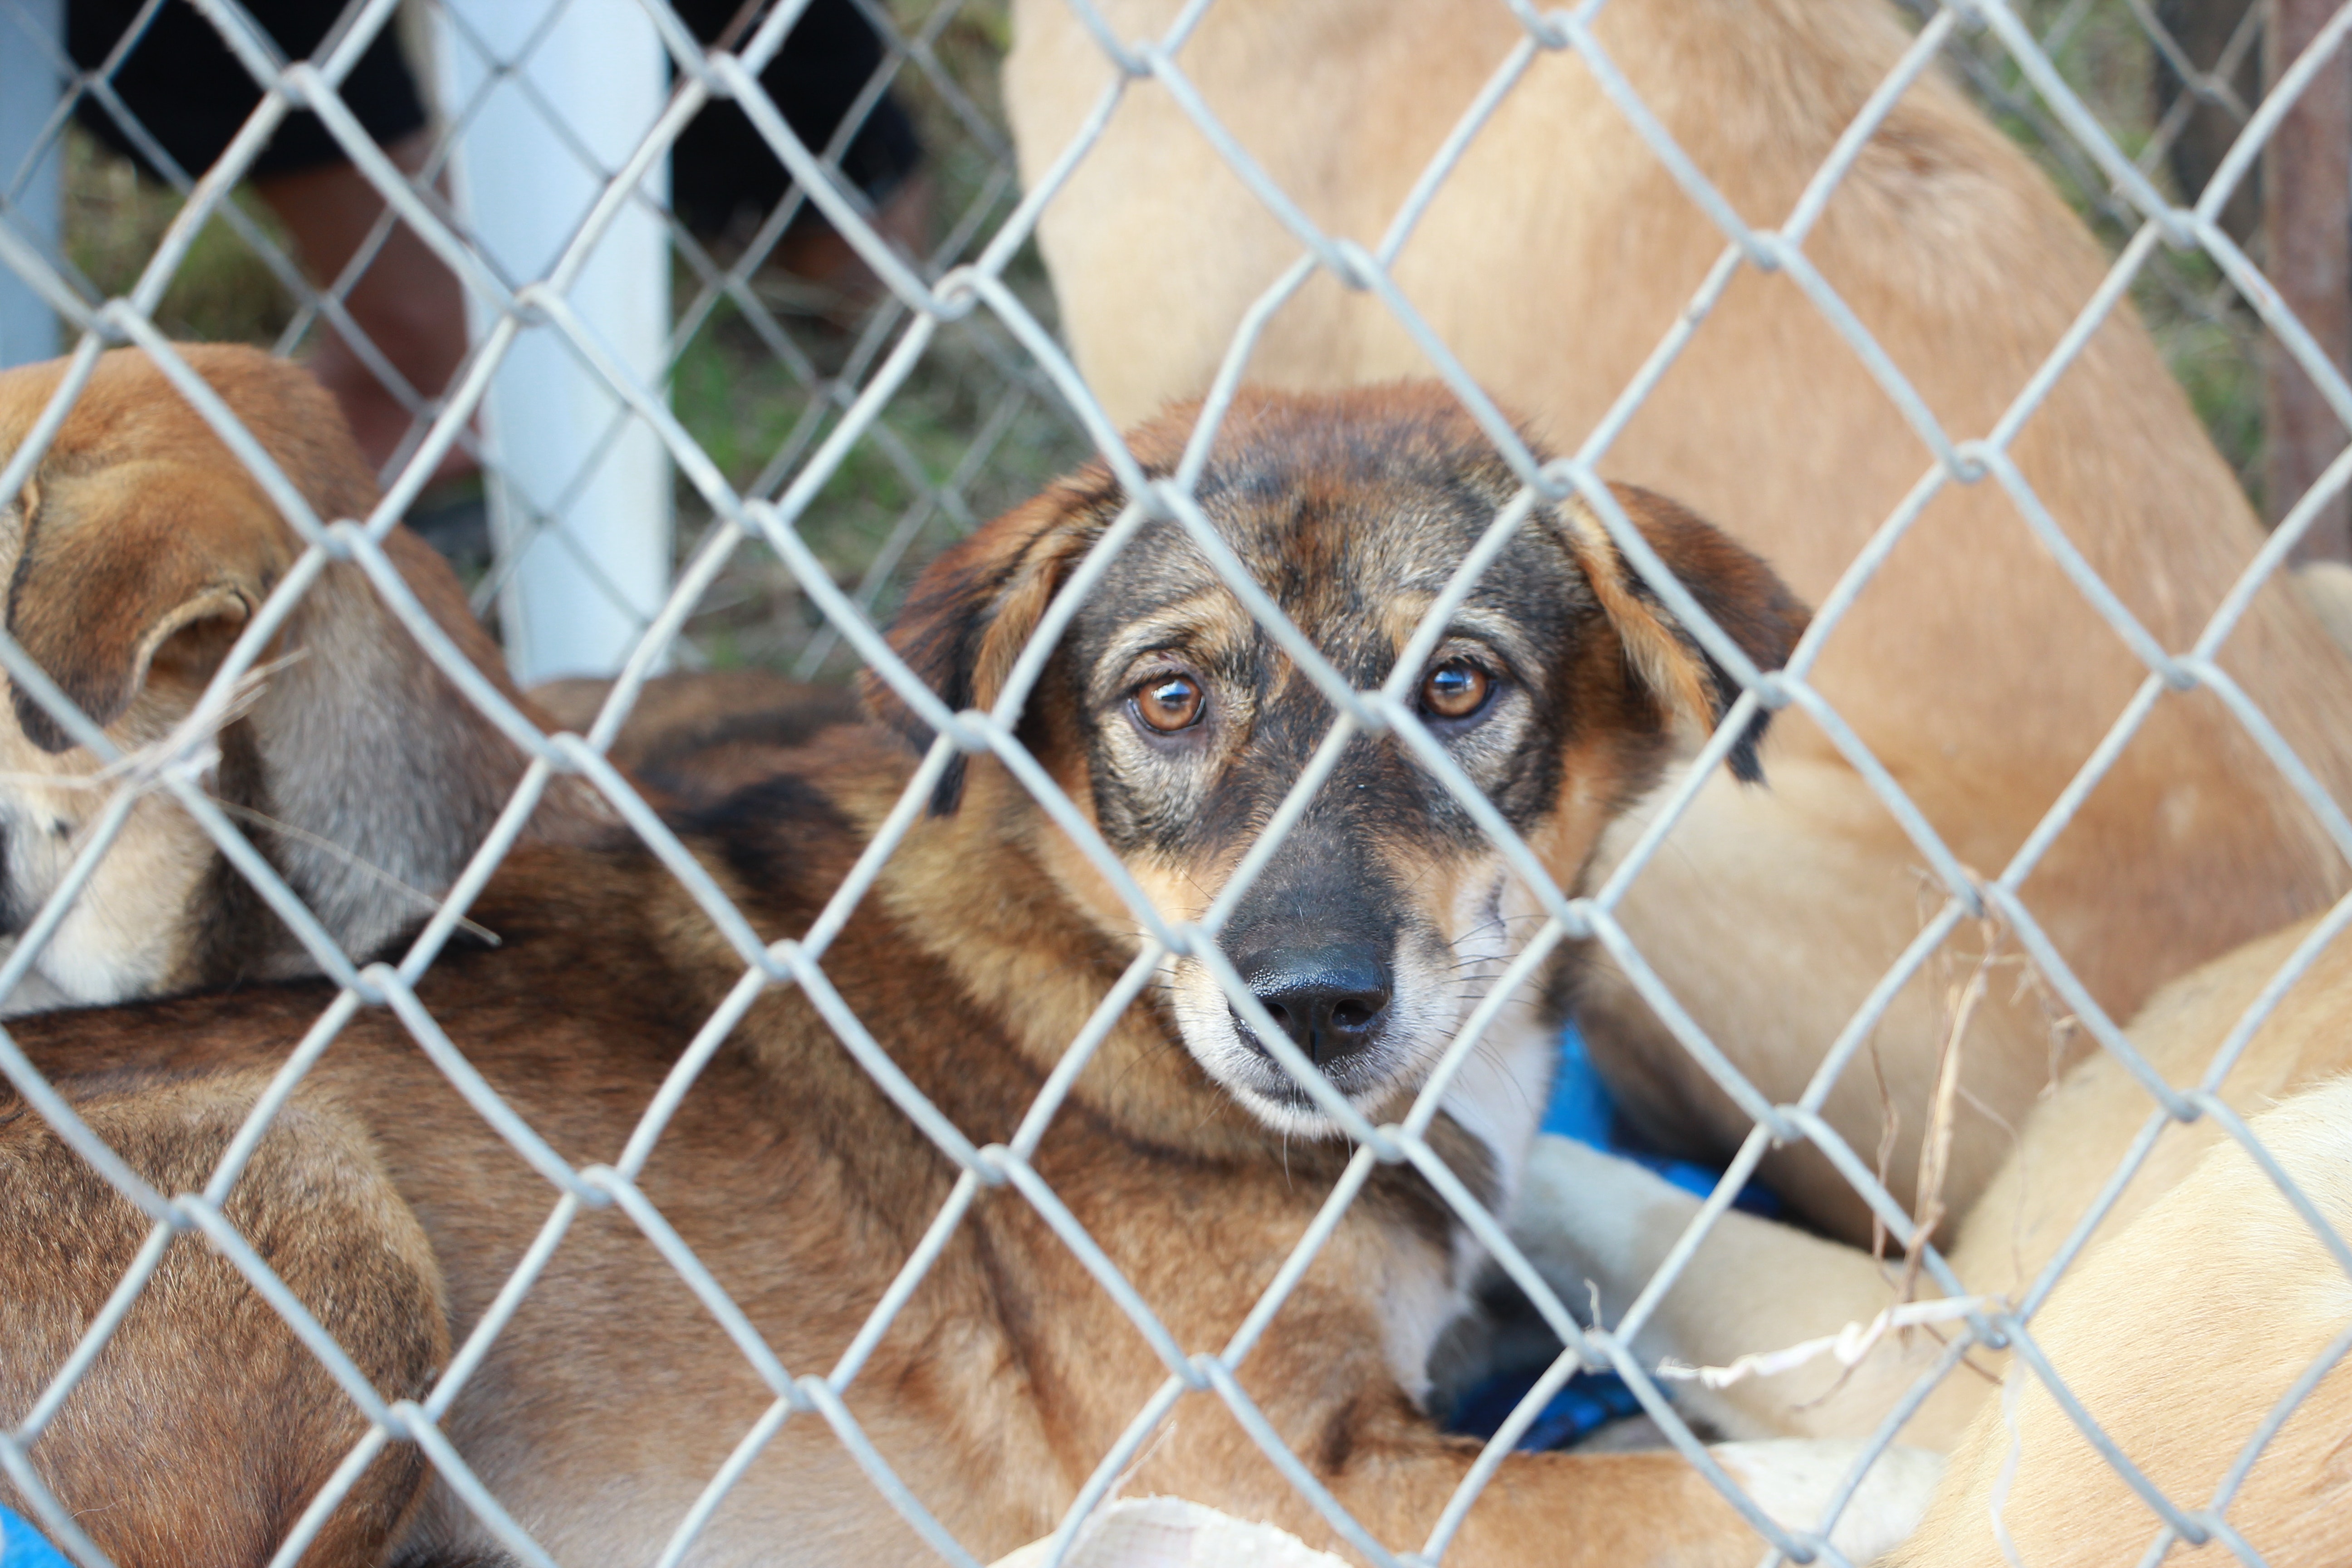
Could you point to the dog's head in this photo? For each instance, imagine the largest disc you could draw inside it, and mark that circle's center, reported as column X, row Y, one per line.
column 137, row 545
column 134, row 555
column 1560, row 687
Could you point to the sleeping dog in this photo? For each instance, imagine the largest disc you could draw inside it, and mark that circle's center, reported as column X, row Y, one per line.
column 604, row 1406
column 134, row 555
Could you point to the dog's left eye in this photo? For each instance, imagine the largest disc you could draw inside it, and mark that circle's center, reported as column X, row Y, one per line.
column 1454, row 689
column 1170, row 702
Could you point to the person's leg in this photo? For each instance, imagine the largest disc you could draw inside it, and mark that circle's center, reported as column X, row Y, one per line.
column 408, row 304
column 725, row 180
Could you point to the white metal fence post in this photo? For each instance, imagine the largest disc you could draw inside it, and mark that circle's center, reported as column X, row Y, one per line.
column 579, row 495
column 32, row 42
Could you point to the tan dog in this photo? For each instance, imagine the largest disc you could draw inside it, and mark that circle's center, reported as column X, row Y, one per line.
column 610, row 1398
column 2181, row 1378
column 2203, row 1296
column 1553, row 262
column 134, row 555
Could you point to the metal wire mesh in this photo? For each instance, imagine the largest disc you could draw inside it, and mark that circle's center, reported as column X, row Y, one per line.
column 786, row 567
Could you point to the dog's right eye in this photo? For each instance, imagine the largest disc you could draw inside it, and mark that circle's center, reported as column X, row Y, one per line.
column 1454, row 689
column 1170, row 702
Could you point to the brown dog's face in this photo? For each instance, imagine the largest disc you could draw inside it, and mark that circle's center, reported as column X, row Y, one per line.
column 132, row 558
column 1177, row 723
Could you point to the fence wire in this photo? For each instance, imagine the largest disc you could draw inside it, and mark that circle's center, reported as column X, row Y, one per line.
column 947, row 394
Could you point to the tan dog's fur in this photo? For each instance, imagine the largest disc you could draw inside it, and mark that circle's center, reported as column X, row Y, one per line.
column 2182, row 1377
column 1553, row 261
column 612, row 1397
column 134, row 555
column 2202, row 1297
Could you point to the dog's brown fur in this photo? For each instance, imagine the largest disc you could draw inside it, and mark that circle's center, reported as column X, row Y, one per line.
column 1554, row 260
column 612, row 1396
column 134, row 555
column 694, row 739
column 157, row 1447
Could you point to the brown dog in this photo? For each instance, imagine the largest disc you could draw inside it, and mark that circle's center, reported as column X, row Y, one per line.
column 2203, row 1297
column 1553, row 262
column 695, row 738
column 134, row 555
column 607, row 1403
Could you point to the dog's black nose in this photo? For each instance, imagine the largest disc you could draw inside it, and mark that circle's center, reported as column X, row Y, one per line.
column 1329, row 1000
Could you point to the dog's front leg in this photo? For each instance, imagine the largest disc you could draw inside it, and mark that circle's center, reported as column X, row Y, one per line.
column 1794, row 1480
column 1620, row 1510
column 1395, row 1473
column 1597, row 1226
column 1614, row 1510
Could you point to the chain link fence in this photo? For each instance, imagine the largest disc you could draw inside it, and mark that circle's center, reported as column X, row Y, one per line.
column 825, row 442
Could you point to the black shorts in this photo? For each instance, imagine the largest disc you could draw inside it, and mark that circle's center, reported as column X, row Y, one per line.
column 721, row 168
column 191, row 95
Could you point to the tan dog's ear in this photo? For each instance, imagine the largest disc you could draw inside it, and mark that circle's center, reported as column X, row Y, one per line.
column 118, row 562
column 972, row 612
column 1743, row 595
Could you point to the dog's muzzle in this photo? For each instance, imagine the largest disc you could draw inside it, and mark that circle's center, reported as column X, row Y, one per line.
column 1332, row 1001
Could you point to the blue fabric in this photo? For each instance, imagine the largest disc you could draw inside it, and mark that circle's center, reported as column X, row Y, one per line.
column 1581, row 1109
column 1586, row 1403
column 22, row 1546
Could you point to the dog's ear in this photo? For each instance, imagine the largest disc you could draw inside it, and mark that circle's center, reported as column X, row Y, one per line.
column 972, row 612
column 139, row 565
column 1743, row 595
column 144, row 545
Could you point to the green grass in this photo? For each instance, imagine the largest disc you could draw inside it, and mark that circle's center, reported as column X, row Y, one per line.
column 744, row 406
column 113, row 222
column 758, row 413
column 2212, row 341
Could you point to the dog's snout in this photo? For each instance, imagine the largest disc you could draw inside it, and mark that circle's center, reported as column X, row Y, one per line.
column 1329, row 1000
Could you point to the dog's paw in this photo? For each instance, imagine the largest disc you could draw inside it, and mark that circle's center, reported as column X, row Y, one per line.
column 1168, row 1533
column 1793, row 1480
column 1590, row 1221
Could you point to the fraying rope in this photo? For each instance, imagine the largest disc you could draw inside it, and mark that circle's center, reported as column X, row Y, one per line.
column 1849, row 1344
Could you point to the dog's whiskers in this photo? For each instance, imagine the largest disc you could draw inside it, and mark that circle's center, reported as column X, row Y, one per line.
column 357, row 863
